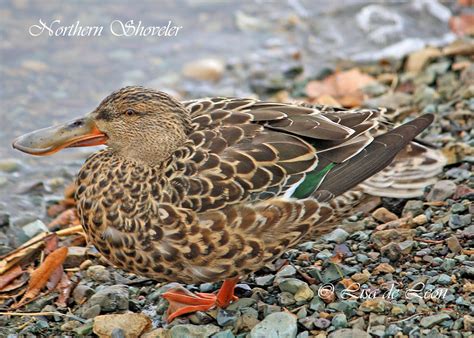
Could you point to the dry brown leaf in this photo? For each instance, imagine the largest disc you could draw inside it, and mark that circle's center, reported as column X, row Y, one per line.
column 463, row 24
column 40, row 276
column 344, row 87
column 65, row 287
column 10, row 275
column 64, row 219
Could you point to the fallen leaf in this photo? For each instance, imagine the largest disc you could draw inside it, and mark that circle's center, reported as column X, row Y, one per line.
column 463, row 24
column 345, row 87
column 15, row 284
column 65, row 287
column 40, row 276
column 51, row 244
column 64, row 219
column 10, row 275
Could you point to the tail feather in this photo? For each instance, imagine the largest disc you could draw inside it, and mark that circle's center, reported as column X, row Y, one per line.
column 375, row 157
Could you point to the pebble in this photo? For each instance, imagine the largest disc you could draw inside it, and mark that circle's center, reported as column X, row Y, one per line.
column 384, row 237
column 468, row 322
column 110, row 298
column 226, row 317
column 338, row 236
column 349, row 333
column 192, row 331
column 430, row 321
column 204, row 69
column 339, row 321
column 444, row 279
column 98, row 273
column 459, row 221
column 278, row 324
column 453, row 244
column 413, row 208
column 34, row 228
column 223, row 334
column 383, row 215
column 322, row 323
column 264, row 280
column 286, row 271
column 9, row 165
column 441, row 191
column 398, row 309
column 301, row 291
column 76, row 255
column 377, row 305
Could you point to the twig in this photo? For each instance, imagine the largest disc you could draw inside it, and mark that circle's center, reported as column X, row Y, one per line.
column 46, row 313
column 430, row 241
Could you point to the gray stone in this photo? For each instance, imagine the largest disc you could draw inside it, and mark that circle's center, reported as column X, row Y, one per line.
column 111, row 298
column 453, row 244
column 339, row 321
column 206, row 287
column 448, row 264
column 224, row 334
column 317, row 304
column 286, row 271
column 10, row 165
column 441, row 191
column 193, row 331
column 431, row 321
column 444, row 279
column 264, row 280
column 458, row 221
column 98, row 273
column 226, row 317
column 242, row 303
column 338, row 236
column 413, row 208
column 278, row 324
column 34, row 228
column 299, row 289
column 349, row 333
column 322, row 323
column 91, row 312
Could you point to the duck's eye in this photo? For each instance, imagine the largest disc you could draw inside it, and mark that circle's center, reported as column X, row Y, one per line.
column 130, row 112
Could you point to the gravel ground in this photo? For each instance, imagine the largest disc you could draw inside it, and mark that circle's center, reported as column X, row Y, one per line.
column 395, row 267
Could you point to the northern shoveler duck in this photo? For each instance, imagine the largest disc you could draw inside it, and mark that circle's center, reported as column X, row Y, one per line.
column 214, row 189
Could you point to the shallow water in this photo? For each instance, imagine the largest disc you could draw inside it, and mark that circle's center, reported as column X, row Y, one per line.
column 45, row 80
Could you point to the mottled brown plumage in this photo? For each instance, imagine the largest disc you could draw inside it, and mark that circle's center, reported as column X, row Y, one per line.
column 214, row 189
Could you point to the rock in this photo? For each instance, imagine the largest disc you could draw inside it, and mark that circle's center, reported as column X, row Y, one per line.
column 286, row 298
column 70, row 325
column 420, row 220
column 338, row 236
column 111, row 298
column 226, row 318
column 339, row 321
column 361, row 277
column 392, row 251
column 468, row 322
column 81, row 293
column 413, row 208
column 384, row 237
column 349, row 333
column 117, row 333
column 278, row 324
column 300, row 290
column 453, row 244
column 459, row 221
column 264, row 280
column 448, row 264
column 444, row 279
column 376, row 305
column 84, row 330
column 10, row 165
column 75, row 256
column 406, row 246
column 98, row 273
column 204, row 69
column 317, row 304
column 34, row 228
column 157, row 333
column 398, row 309
column 193, row 331
column 286, row 271
column 242, row 303
column 91, row 312
column 223, row 334
column 441, row 191
column 322, row 323
column 383, row 267
column 431, row 321
column 416, row 61
column 247, row 320
column 458, row 208
column 383, row 215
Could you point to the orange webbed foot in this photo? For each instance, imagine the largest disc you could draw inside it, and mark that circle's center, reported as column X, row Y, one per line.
column 183, row 301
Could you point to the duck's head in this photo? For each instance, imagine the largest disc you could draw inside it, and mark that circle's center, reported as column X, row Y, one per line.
column 134, row 122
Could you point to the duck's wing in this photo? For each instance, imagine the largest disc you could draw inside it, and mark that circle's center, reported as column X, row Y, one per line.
column 244, row 150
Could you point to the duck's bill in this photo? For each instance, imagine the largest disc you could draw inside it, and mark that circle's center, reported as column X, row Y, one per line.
column 81, row 132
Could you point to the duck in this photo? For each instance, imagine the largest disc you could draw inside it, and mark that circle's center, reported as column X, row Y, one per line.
column 214, row 189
